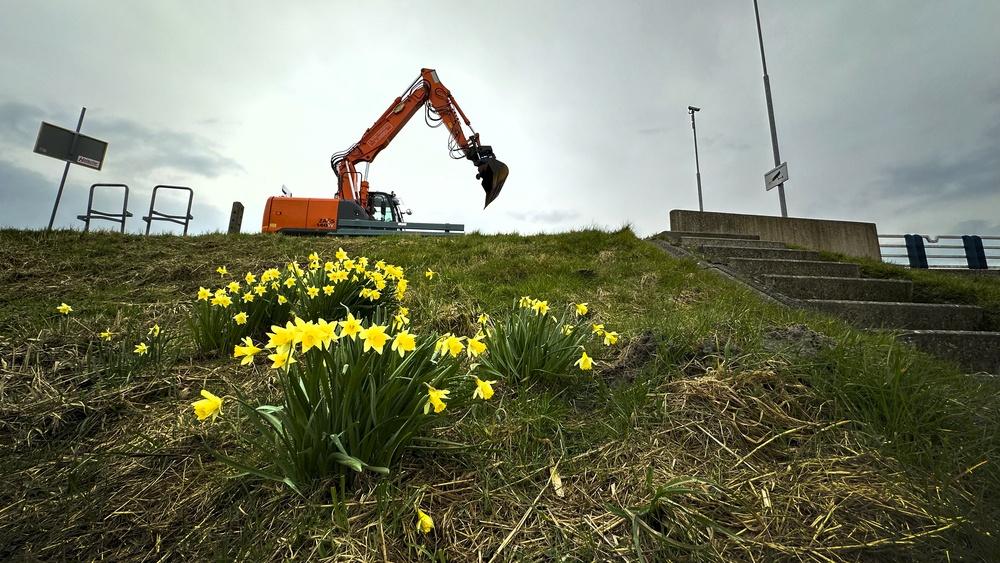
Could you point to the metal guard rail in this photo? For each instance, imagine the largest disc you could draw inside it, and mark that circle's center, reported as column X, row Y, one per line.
column 361, row 227
column 974, row 252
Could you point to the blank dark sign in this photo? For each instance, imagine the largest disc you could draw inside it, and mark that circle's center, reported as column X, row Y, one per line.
column 57, row 142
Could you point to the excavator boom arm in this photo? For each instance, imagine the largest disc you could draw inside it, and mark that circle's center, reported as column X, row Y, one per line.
column 427, row 91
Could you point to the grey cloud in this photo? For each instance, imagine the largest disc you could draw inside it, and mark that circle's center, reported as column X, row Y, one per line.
column 976, row 227
column 28, row 196
column 545, row 217
column 140, row 147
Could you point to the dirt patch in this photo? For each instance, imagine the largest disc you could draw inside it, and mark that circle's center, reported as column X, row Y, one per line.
column 797, row 339
column 637, row 353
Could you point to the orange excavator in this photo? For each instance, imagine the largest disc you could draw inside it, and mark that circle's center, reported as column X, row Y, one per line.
column 354, row 204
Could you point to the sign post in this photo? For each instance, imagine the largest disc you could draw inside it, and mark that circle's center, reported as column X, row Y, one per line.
column 776, row 177
column 71, row 147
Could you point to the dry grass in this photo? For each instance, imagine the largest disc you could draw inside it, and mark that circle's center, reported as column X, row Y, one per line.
column 677, row 451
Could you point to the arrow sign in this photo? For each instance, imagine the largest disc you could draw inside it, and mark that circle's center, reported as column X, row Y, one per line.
column 776, row 176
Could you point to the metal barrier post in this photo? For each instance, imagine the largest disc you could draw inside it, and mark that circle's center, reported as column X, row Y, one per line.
column 915, row 251
column 95, row 214
column 178, row 219
column 975, row 254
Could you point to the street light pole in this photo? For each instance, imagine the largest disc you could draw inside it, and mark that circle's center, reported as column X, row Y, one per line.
column 697, row 166
column 770, row 111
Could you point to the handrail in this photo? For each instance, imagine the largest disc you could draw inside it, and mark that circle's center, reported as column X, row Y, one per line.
column 971, row 254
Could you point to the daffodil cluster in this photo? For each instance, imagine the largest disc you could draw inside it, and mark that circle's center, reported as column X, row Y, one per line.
column 248, row 305
column 535, row 342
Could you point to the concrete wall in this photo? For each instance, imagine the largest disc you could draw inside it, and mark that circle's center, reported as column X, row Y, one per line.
column 845, row 237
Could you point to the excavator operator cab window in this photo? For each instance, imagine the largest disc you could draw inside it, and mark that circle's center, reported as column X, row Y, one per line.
column 381, row 209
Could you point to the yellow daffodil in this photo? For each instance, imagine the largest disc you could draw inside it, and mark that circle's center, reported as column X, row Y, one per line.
column 365, row 292
column 405, row 311
column 328, row 290
column 401, row 286
column 313, row 266
column 248, row 297
column 380, row 264
column 209, row 406
column 290, row 281
column 240, row 318
column 313, row 257
column 585, row 362
column 350, row 327
column 222, row 300
column 141, row 349
column 312, row 291
column 309, row 335
column 540, row 307
column 341, row 255
column 581, row 309
column 282, row 300
column 374, row 295
column 106, row 335
column 294, row 267
column 399, row 321
column 453, row 345
column 363, row 261
column 327, row 332
column 374, row 337
column 610, row 337
column 567, row 329
column 64, row 309
column 282, row 336
column 598, row 329
column 424, row 522
column 476, row 345
column 328, row 266
column 403, row 342
column 525, row 302
column 203, row 294
column 348, row 264
column 260, row 289
column 233, row 286
column 394, row 272
column 337, row 276
column 250, row 278
column 430, row 274
column 282, row 357
column 155, row 331
column 435, row 398
column 270, row 274
column 483, row 319
column 484, row 389
column 247, row 351
column 222, row 271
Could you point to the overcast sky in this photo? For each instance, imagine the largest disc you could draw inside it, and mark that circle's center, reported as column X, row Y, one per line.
column 886, row 111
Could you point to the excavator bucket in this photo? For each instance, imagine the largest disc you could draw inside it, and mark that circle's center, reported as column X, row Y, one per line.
column 493, row 173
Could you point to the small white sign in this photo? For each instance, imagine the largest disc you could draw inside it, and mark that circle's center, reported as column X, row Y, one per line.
column 776, row 177
column 89, row 162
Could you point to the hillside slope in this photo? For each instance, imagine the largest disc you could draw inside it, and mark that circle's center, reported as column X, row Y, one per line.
column 721, row 427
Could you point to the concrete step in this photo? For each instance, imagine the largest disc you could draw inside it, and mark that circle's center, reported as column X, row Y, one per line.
column 761, row 266
column 724, row 253
column 742, row 243
column 916, row 316
column 675, row 236
column 844, row 289
column 974, row 351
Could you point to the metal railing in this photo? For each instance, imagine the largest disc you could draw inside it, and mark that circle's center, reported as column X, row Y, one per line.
column 952, row 252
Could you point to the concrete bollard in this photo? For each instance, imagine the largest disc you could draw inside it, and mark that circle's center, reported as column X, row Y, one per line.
column 236, row 218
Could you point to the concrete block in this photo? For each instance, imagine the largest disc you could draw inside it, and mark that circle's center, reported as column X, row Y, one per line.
column 974, row 351
column 846, row 237
column 722, row 253
column 917, row 316
column 759, row 266
column 742, row 243
column 844, row 289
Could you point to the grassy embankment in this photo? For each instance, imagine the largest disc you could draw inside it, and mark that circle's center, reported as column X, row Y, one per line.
column 712, row 431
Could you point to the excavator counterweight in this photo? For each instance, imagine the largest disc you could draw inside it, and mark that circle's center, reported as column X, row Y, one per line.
column 353, row 200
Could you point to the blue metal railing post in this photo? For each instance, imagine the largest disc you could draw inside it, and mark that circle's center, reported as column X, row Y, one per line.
column 975, row 254
column 915, row 251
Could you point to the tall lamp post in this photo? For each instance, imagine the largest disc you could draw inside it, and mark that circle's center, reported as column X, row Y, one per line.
column 697, row 167
column 770, row 111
